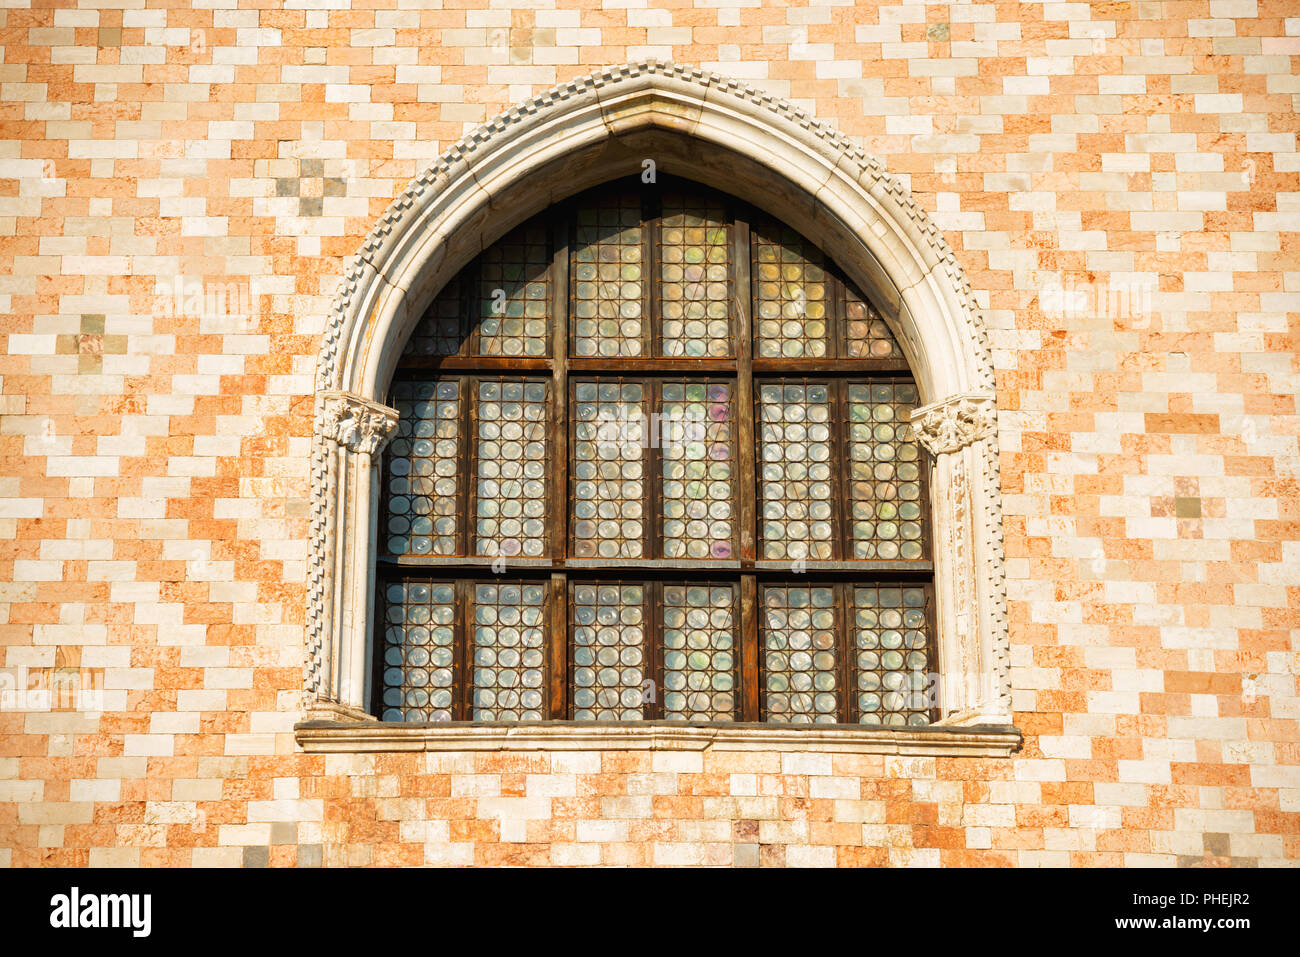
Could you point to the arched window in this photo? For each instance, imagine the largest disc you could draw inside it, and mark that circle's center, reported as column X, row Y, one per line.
column 654, row 461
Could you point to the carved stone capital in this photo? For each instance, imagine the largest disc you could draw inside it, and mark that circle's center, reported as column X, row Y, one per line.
column 357, row 424
column 955, row 423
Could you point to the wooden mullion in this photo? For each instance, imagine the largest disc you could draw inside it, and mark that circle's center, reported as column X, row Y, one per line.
column 558, row 499
column 744, row 432
column 652, row 458
column 382, row 477
column 830, row 367
column 460, row 682
column 750, row 709
column 473, row 363
column 843, row 651
column 569, row 427
column 569, row 708
column 654, row 366
column 467, row 390
column 558, row 647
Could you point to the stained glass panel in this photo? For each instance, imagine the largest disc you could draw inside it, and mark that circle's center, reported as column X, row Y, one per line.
column 510, row 464
column 795, row 471
column 514, row 294
column 885, row 473
column 509, row 641
column 790, row 295
column 609, row 667
column 867, row 335
column 418, row 653
column 608, row 469
column 699, row 643
column 797, row 630
column 423, row 472
column 607, row 273
column 895, row 673
column 694, row 278
column 695, row 437
column 440, row 330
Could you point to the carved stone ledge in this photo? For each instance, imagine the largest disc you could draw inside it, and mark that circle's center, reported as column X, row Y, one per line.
column 955, row 422
column 357, row 424
column 989, row 741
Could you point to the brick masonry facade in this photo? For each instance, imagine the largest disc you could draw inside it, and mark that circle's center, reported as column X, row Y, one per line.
column 179, row 189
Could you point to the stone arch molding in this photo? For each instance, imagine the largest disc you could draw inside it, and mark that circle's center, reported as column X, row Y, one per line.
column 725, row 134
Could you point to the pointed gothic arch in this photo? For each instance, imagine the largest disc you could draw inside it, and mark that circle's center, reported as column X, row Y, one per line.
column 724, row 134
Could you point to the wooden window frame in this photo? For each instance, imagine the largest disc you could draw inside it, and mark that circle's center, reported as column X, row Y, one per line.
column 745, row 372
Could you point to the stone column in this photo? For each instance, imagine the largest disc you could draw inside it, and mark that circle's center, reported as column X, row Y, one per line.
column 960, row 432
column 351, row 431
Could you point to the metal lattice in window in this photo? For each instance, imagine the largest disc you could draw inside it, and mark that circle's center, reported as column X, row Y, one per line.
column 592, row 425
column 608, row 279
column 694, row 278
column 790, row 295
column 417, row 669
column 609, row 470
column 423, row 472
column 510, row 430
column 895, row 676
column 440, row 330
column 509, row 652
column 866, row 334
column 609, row 662
column 795, row 471
column 695, row 438
column 699, row 642
column 513, row 301
column 800, row 681
column 884, row 468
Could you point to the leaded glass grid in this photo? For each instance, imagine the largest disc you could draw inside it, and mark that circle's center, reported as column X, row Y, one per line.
column 424, row 471
column 891, row 636
column 885, row 490
column 696, row 453
column 417, row 672
column 800, row 661
column 653, row 455
column 609, row 632
column 608, row 278
column 699, row 651
column 790, row 295
column 509, row 651
column 795, row 470
column 610, row 438
column 867, row 335
column 511, row 424
column 695, row 277
column 441, row 328
column 513, row 294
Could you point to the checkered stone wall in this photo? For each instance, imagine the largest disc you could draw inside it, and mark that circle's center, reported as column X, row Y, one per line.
column 179, row 189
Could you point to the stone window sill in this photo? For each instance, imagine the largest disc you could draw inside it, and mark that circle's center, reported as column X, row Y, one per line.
column 335, row 736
